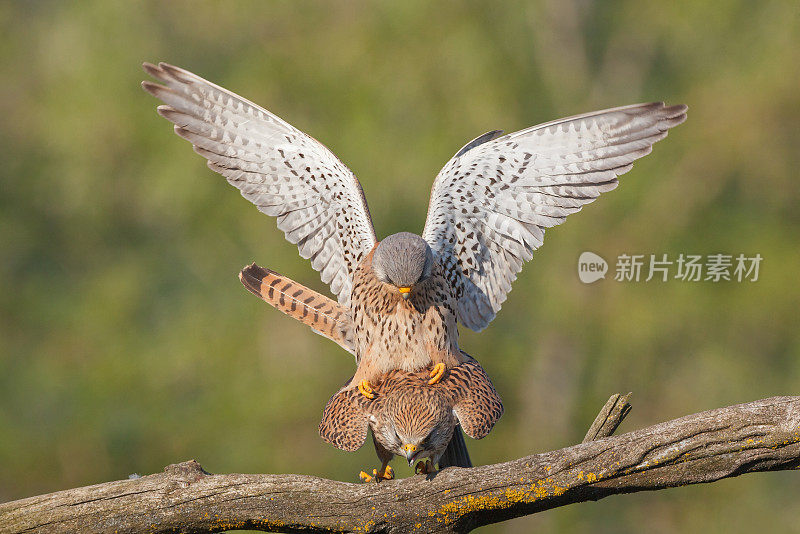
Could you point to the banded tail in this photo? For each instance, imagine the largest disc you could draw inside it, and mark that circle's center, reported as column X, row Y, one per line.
column 324, row 315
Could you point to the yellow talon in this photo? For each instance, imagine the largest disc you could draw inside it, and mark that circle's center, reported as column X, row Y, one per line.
column 387, row 474
column 365, row 389
column 436, row 373
column 377, row 476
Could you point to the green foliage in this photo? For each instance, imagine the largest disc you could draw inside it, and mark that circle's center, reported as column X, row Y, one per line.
column 127, row 343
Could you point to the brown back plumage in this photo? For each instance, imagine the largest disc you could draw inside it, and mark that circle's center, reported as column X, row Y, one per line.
column 414, row 405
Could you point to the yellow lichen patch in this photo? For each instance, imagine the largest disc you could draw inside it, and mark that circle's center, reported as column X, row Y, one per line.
column 238, row 525
column 365, row 527
column 495, row 501
column 471, row 503
column 541, row 489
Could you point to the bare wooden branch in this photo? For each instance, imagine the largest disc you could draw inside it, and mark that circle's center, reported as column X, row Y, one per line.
column 611, row 415
column 759, row 436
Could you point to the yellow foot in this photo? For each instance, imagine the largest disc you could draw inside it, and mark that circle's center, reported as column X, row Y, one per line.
column 424, row 468
column 377, row 476
column 365, row 389
column 387, row 474
column 436, row 373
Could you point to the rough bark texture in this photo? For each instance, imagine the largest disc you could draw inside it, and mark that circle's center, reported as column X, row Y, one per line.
column 759, row 436
column 611, row 415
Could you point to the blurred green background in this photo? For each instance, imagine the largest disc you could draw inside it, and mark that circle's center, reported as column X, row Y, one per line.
column 127, row 342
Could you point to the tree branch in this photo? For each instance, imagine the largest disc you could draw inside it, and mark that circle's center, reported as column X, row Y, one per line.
column 759, row 436
column 611, row 415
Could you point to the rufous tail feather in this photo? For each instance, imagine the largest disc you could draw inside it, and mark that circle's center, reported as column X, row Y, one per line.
column 324, row 315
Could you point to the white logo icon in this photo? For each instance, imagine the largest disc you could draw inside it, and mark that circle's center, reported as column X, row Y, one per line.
column 591, row 267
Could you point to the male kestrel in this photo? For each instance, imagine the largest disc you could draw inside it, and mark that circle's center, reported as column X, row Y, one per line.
column 411, row 418
column 488, row 211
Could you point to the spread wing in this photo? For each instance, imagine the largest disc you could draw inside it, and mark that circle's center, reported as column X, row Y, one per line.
column 316, row 199
column 491, row 203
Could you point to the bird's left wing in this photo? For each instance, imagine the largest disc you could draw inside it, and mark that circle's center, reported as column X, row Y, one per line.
column 477, row 404
column 491, row 203
column 287, row 174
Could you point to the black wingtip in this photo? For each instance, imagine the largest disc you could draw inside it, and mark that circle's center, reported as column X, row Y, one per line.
column 481, row 139
column 152, row 70
column 152, row 88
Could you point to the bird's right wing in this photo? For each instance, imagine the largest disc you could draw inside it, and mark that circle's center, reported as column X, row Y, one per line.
column 287, row 174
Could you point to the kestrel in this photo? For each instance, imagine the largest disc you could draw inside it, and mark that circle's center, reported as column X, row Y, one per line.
column 411, row 418
column 488, row 211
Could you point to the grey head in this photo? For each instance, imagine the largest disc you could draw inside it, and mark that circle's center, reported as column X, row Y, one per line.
column 403, row 260
column 417, row 423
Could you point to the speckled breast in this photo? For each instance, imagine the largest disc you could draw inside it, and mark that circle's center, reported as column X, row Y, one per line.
column 393, row 333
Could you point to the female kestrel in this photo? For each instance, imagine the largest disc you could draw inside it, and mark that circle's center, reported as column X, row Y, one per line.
column 411, row 418
column 488, row 211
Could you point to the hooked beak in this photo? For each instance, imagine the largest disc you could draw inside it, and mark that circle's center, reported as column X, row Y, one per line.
column 410, row 452
column 405, row 292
